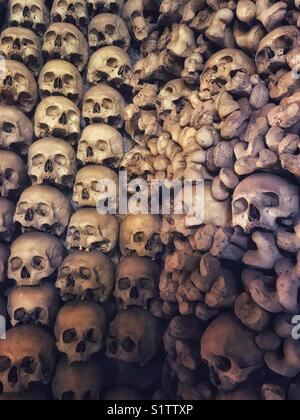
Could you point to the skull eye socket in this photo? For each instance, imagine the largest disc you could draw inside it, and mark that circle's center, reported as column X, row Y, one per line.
column 269, row 200
column 68, row 396
column 139, row 237
column 156, row 239
column 69, row 80
column 22, row 208
column 85, row 273
column 17, row 8
column 60, row 160
column 28, row 42
column 146, row 283
column 5, row 364
column 107, row 103
column 64, row 272
column 28, row 365
column 8, row 127
column 49, row 77
column 222, row 363
column 9, row 174
column 62, row 4
column 69, row 336
column 50, row 36
column 124, row 284
column 38, row 263
column 52, row 111
column 43, row 210
column 6, row 40
column 128, row 345
column 96, row 186
column 240, row 206
column 19, row 78
column 90, row 231
column 110, row 29
column 20, row 314
column 38, row 160
column 92, row 335
column 112, row 63
column 102, row 146
column 15, row 264
column 35, row 9
column 71, row 39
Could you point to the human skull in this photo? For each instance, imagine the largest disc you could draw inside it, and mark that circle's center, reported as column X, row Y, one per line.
column 134, row 337
column 274, row 49
column 65, row 41
column 57, row 116
column 36, row 305
column 103, row 104
column 71, row 11
column 136, row 281
column 16, row 130
column 90, row 231
column 31, row 14
column 140, row 235
column 18, row 86
column 7, row 226
column 80, row 330
column 134, row 13
column 223, row 347
column 61, row 78
column 138, row 162
column 172, row 96
column 4, row 256
column 97, row 7
column 107, row 29
column 44, row 209
column 182, row 43
column 52, row 160
column 102, row 145
column 220, row 70
column 110, row 65
column 22, row 45
column 77, row 382
column 27, row 356
column 12, row 173
column 86, row 276
column 94, row 186
column 34, row 257
column 265, row 201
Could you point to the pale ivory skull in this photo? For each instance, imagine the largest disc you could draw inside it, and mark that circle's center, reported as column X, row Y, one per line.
column 86, row 276
column 110, row 65
column 134, row 337
column 102, row 145
column 18, row 86
column 16, row 130
column 34, row 257
column 44, row 209
column 137, row 281
column 57, row 116
column 65, row 41
column 134, row 13
column 7, row 226
column 96, row 7
column 80, row 330
column 103, row 104
column 90, row 231
column 265, row 201
column 223, row 348
column 77, row 382
column 71, row 11
column 4, row 256
column 27, row 356
column 223, row 67
column 61, row 78
column 108, row 29
column 274, row 49
column 31, row 14
column 171, row 96
column 140, row 235
column 182, row 43
column 12, row 173
column 36, row 305
column 90, row 192
column 23, row 45
column 52, row 160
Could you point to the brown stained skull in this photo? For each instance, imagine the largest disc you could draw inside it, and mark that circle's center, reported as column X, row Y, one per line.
column 36, row 305
column 23, row 45
column 172, row 96
column 90, row 231
column 265, row 201
column 53, row 161
column 27, row 356
column 89, row 191
column 108, row 29
column 57, row 116
column 30, row 14
column 182, row 43
column 12, row 173
column 43, row 208
column 34, row 257
column 110, row 65
column 16, row 130
column 77, row 382
column 86, row 276
column 64, row 41
column 96, row 7
column 18, row 86
column 71, row 11
column 140, row 235
column 61, row 78
column 102, row 145
column 230, row 352
column 80, row 330
column 136, row 281
column 4, row 256
column 221, row 69
column 103, row 104
column 133, row 337
column 7, row 226
column 135, row 13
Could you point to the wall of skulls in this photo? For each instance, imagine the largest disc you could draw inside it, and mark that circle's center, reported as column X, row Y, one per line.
column 144, row 306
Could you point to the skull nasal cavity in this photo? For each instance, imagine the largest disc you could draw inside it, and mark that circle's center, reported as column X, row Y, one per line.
column 63, row 119
column 81, row 347
column 26, row 12
column 29, row 215
column 85, row 194
column 97, row 108
column 48, row 166
column 70, row 281
column 58, row 41
column 25, row 273
column 254, row 214
column 134, row 293
column 223, row 364
column 13, row 375
column 58, row 83
column 89, row 152
column 17, row 44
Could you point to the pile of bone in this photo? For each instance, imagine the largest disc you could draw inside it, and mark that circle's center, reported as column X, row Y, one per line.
column 147, row 306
